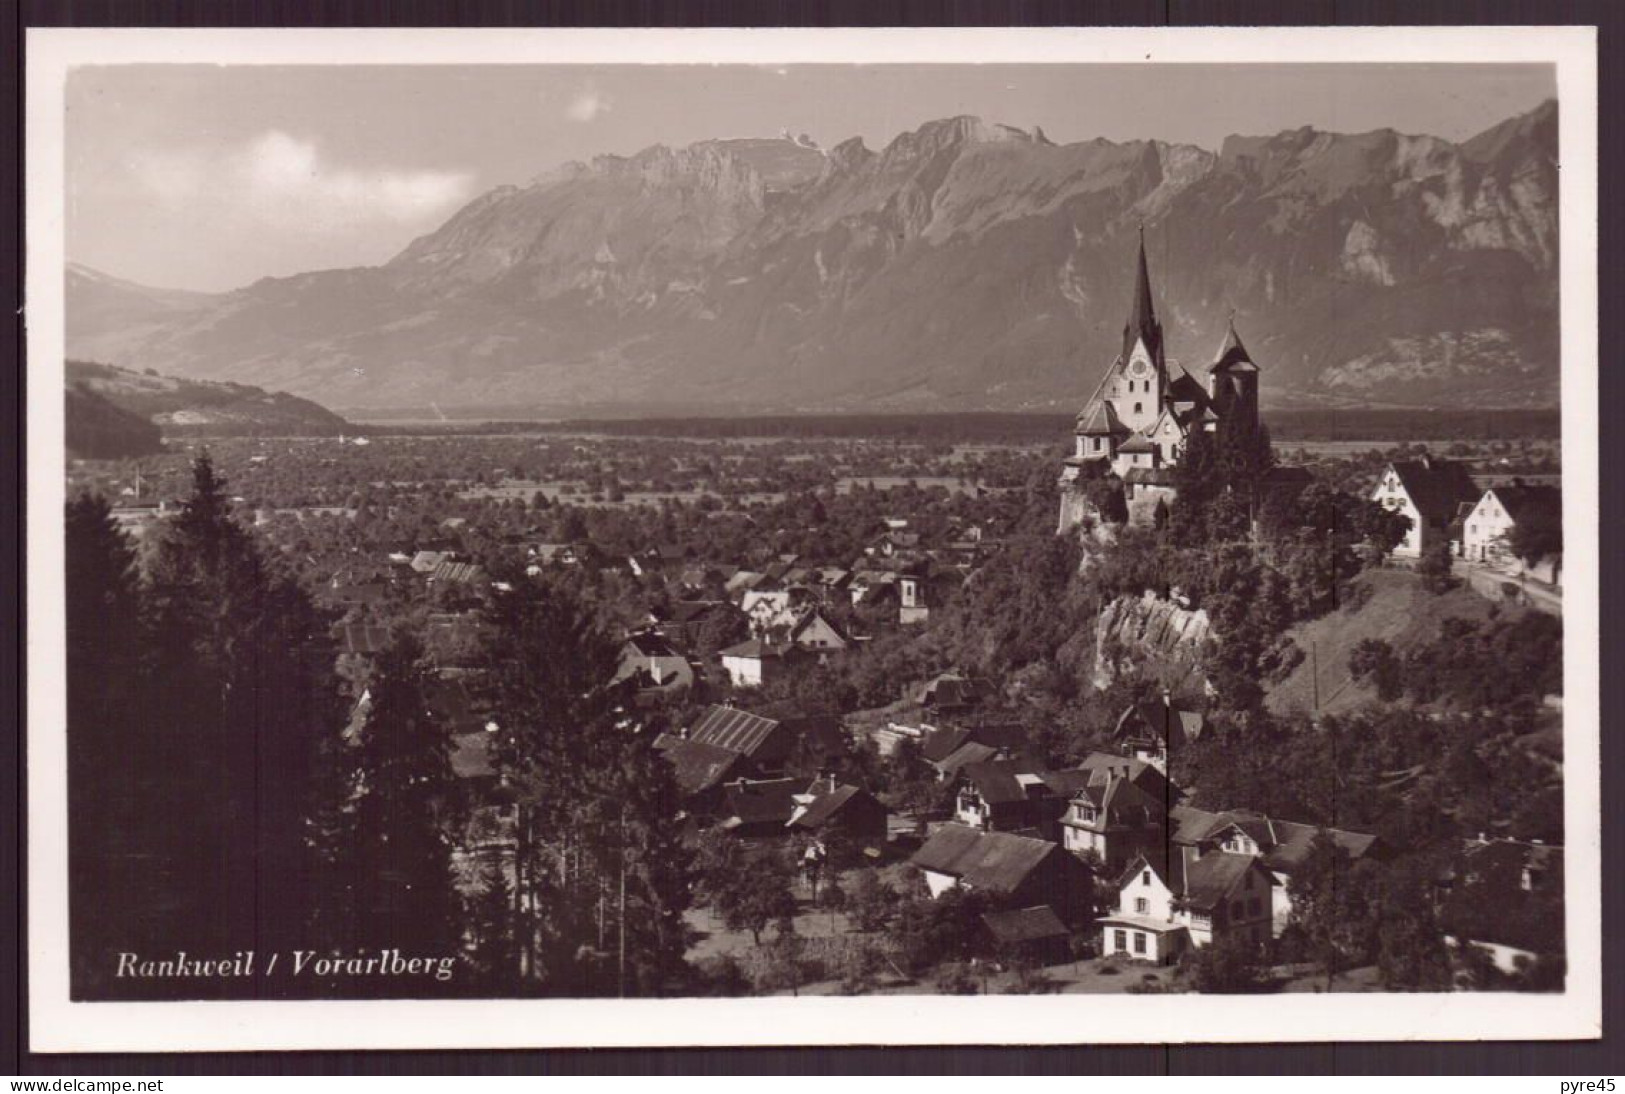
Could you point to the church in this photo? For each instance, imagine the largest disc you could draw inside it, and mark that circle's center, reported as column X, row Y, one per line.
column 1136, row 422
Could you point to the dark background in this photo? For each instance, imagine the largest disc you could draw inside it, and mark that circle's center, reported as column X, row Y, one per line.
column 1588, row 1059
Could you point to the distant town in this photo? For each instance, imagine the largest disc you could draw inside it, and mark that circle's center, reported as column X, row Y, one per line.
column 1157, row 706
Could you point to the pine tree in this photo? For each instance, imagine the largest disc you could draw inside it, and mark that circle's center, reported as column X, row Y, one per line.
column 108, row 768
column 603, row 874
column 245, row 702
column 405, row 802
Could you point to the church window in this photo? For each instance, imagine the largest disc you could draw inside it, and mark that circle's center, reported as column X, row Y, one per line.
column 1139, row 407
column 1097, row 444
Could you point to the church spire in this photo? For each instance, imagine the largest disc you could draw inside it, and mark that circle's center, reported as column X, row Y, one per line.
column 1142, row 320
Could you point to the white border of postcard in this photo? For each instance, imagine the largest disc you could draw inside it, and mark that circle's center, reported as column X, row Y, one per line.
column 58, row 1025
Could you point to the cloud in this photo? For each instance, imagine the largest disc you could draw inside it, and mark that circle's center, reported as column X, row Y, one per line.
column 280, row 180
column 586, row 106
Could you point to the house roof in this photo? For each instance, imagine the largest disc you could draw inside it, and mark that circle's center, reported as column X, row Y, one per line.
column 698, row 766
column 734, row 729
column 471, row 755
column 651, row 644
column 1284, row 844
column 768, row 801
column 1522, row 502
column 363, row 639
column 755, row 649
column 1170, row 724
column 824, row 807
column 950, row 689
column 1024, row 925
column 997, row 862
column 1138, row 772
column 1211, row 879
column 1435, row 486
column 999, row 782
column 1136, row 444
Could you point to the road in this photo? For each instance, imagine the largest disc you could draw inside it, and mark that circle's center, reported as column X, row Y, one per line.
column 1487, row 582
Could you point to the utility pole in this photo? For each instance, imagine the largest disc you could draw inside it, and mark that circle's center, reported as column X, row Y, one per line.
column 1314, row 671
column 621, row 975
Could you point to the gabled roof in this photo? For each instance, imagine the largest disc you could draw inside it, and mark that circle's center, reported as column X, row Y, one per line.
column 1137, row 443
column 1522, row 502
column 1138, row 772
column 1000, row 782
column 1167, row 722
column 825, row 807
column 755, row 649
column 1120, row 799
column 996, row 862
column 768, row 801
column 651, row 644
column 1211, row 879
column 698, row 766
column 1284, row 844
column 734, row 729
column 1435, row 486
column 1024, row 925
column 363, row 639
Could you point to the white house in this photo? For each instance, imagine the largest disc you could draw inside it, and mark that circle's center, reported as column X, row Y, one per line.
column 752, row 662
column 1426, row 492
column 1166, row 905
column 1486, row 528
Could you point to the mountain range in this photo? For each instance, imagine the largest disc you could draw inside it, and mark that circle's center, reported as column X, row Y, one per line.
column 966, row 265
column 116, row 411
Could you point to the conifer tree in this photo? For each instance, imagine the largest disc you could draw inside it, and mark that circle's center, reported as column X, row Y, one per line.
column 109, row 770
column 405, row 802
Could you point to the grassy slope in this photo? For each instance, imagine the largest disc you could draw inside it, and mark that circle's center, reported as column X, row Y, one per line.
column 1399, row 611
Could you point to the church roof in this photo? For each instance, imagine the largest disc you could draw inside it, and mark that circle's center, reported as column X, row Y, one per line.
column 1142, row 320
column 1099, row 417
column 1232, row 354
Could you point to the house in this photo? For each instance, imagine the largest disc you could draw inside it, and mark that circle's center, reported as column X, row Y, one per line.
column 1166, row 905
column 1034, row 934
column 654, row 664
column 691, row 624
column 1017, row 871
column 951, row 691
column 760, row 808
column 1281, row 846
column 700, row 770
column 1148, row 731
column 1148, row 777
column 849, row 810
column 1113, row 820
column 813, row 633
column 1426, row 491
column 949, row 749
column 771, row 613
column 1487, row 526
column 1505, row 898
column 766, row 743
column 753, row 662
column 1015, row 795
column 913, row 597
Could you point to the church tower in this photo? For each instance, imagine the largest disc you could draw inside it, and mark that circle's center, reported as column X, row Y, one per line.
column 1232, row 385
column 1140, row 381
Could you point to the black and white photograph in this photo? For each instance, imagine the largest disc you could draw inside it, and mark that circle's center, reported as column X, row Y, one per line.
column 774, row 537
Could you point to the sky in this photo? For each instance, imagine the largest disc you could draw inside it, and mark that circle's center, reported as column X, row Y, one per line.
column 210, row 177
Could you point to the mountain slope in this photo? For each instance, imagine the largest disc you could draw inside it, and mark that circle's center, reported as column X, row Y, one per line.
column 172, row 406
column 967, row 264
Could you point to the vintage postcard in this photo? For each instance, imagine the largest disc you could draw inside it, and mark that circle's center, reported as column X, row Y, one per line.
column 811, row 537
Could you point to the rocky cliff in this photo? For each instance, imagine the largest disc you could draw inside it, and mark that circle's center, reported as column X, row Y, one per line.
column 1153, row 633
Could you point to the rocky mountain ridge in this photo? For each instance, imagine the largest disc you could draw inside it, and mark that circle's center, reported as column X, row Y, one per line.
column 966, row 265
